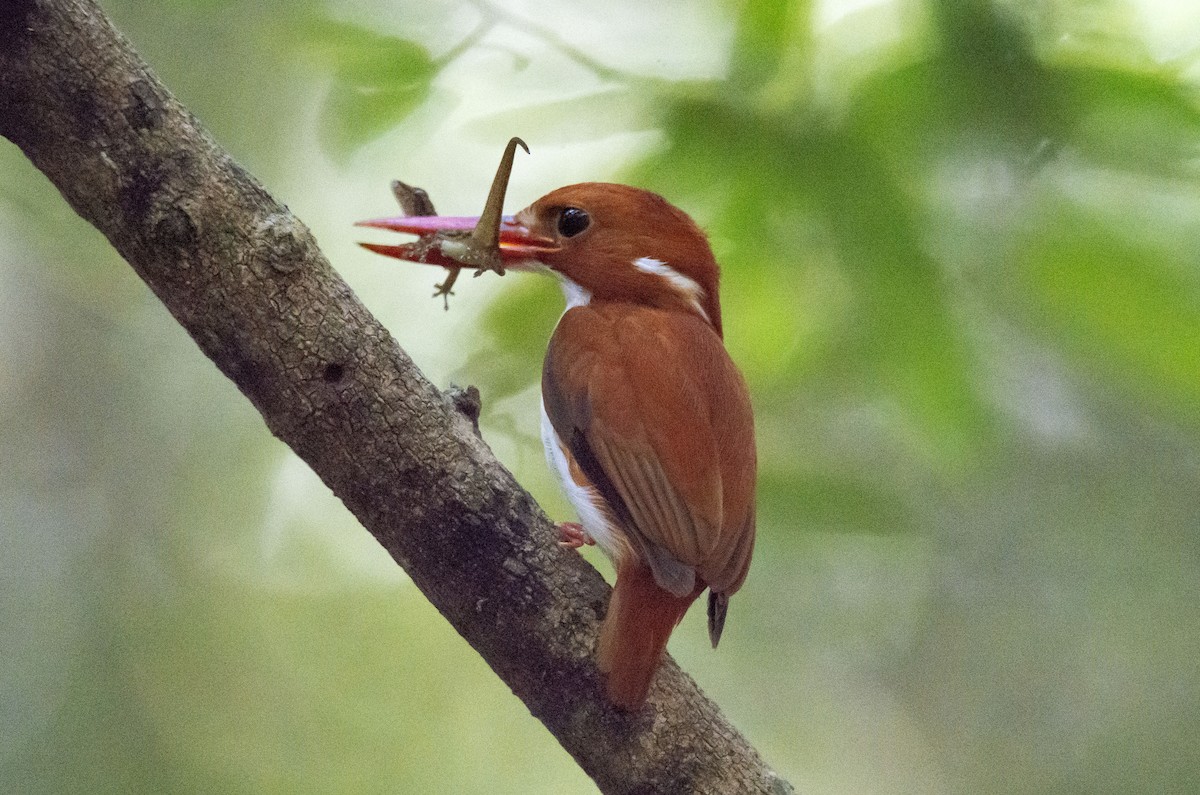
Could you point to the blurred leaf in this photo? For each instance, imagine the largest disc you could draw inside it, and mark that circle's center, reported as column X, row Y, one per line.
column 378, row 81
column 519, row 324
column 988, row 49
column 792, row 306
column 767, row 31
column 1128, row 311
column 1147, row 122
column 361, row 56
column 354, row 115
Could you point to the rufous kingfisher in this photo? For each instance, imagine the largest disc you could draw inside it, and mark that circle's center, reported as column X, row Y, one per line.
column 645, row 418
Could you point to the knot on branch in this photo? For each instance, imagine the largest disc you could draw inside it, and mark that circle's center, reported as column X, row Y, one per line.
column 175, row 231
column 145, row 110
column 281, row 243
column 468, row 402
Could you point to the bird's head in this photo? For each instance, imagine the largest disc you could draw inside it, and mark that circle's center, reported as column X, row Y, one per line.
column 607, row 242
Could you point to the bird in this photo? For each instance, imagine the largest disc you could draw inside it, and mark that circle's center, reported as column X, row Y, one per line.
column 645, row 418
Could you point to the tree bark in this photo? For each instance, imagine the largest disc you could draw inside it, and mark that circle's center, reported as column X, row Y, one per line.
column 247, row 281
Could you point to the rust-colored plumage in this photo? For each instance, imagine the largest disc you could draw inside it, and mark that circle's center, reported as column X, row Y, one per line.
column 645, row 402
column 645, row 418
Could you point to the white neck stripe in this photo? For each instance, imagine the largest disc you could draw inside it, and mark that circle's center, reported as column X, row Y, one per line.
column 686, row 286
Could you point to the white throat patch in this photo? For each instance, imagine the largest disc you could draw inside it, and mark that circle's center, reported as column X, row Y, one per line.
column 575, row 295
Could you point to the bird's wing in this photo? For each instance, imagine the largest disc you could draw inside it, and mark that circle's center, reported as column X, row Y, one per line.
column 632, row 409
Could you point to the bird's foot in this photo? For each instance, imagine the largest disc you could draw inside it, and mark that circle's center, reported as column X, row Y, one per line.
column 572, row 535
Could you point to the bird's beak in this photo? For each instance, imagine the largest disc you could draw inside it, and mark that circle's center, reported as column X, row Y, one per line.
column 520, row 248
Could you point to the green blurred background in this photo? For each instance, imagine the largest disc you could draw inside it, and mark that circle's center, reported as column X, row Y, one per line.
column 960, row 246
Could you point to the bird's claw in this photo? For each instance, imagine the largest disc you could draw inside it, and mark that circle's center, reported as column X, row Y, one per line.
column 572, row 535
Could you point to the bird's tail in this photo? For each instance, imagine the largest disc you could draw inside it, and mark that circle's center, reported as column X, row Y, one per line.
column 634, row 634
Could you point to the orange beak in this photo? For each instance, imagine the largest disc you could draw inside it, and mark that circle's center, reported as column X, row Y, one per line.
column 519, row 248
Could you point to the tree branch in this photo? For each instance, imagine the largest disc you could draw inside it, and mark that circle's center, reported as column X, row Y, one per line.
column 245, row 278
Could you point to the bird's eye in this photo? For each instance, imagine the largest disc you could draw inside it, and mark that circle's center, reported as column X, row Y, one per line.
column 572, row 221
